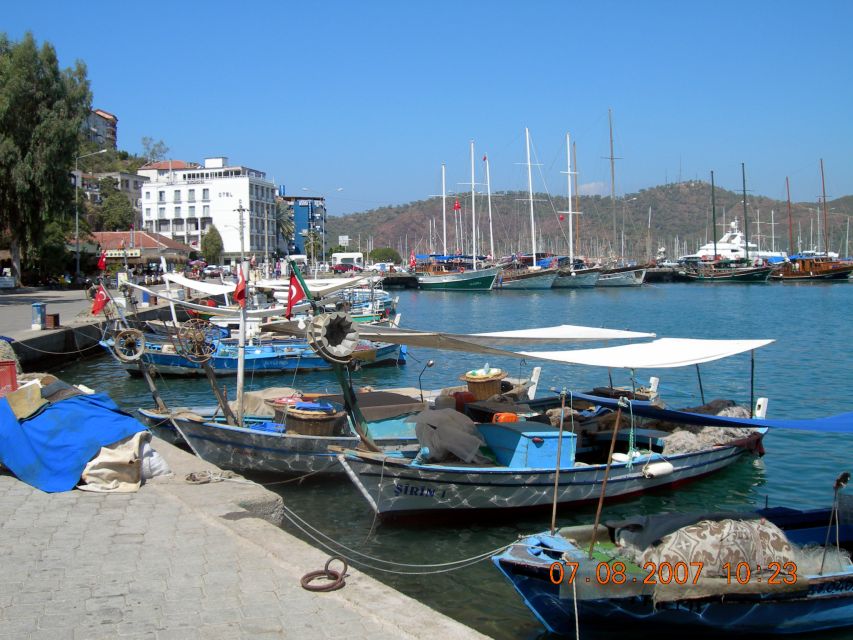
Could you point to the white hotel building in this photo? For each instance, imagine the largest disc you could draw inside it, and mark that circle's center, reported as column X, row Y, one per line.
column 182, row 200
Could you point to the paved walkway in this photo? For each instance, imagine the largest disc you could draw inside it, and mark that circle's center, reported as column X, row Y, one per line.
column 183, row 561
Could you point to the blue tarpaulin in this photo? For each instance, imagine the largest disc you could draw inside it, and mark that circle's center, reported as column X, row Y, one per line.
column 50, row 449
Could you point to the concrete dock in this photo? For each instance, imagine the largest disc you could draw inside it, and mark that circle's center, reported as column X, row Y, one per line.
column 79, row 330
column 180, row 560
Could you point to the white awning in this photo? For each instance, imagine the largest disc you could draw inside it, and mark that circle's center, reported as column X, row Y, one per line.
column 658, row 354
column 560, row 333
column 208, row 288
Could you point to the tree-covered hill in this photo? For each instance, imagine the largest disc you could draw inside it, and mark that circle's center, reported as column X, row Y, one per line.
column 680, row 216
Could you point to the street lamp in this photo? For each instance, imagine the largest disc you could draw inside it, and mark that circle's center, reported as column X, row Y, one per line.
column 428, row 364
column 76, row 209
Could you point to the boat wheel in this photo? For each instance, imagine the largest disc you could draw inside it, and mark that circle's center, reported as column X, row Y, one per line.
column 129, row 345
column 333, row 336
column 198, row 339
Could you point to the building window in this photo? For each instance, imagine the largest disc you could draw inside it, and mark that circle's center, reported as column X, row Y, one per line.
column 191, row 212
column 205, row 194
column 177, row 212
column 177, row 195
column 205, row 210
column 147, row 195
column 161, row 196
column 191, row 195
column 147, row 212
column 125, row 183
column 161, row 212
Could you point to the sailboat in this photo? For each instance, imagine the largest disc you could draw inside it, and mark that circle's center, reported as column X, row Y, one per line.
column 517, row 276
column 812, row 267
column 438, row 276
column 576, row 275
column 618, row 275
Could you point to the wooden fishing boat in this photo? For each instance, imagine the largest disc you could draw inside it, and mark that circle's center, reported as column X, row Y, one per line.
column 524, row 460
column 462, row 279
column 805, row 268
column 285, row 440
column 726, row 272
column 788, row 571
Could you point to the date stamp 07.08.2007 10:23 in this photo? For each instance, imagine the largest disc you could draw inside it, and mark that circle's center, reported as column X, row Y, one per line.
column 680, row 573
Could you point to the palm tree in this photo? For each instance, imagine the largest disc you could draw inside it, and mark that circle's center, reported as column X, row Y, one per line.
column 284, row 221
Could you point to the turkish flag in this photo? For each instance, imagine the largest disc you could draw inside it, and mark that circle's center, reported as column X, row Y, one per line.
column 101, row 299
column 296, row 294
column 456, row 206
column 240, row 291
column 412, row 260
column 102, row 261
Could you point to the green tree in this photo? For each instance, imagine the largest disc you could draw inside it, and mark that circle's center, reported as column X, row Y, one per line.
column 385, row 254
column 154, row 150
column 116, row 212
column 211, row 245
column 41, row 111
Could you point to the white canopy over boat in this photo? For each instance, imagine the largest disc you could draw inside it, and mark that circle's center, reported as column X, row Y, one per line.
column 659, row 354
column 208, row 288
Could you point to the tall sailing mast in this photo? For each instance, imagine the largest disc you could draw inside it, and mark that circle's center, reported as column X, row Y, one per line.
column 570, row 213
column 530, row 192
column 612, row 179
column 577, row 194
column 473, row 212
column 825, row 218
column 444, row 208
column 713, row 216
column 745, row 221
column 489, row 200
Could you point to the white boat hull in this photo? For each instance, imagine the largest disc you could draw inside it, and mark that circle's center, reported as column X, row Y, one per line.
column 580, row 279
column 633, row 278
column 396, row 489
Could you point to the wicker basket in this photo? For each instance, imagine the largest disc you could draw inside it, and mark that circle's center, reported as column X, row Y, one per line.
column 484, row 387
column 312, row 423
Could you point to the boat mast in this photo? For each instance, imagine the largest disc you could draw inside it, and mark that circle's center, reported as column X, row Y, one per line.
column 790, row 219
column 745, row 221
column 612, row 178
column 530, row 193
column 241, row 343
column 569, row 212
column 473, row 213
column 825, row 218
column 577, row 195
column 443, row 209
column 713, row 216
column 489, row 200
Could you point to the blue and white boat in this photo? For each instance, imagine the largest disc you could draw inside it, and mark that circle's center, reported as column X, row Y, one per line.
column 268, row 356
column 789, row 571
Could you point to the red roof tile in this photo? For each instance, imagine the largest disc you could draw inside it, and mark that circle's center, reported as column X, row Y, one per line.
column 142, row 240
column 171, row 164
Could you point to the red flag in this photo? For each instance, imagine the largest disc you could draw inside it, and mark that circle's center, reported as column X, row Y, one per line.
column 412, row 260
column 562, row 217
column 456, row 206
column 101, row 299
column 484, row 158
column 240, row 292
column 102, row 261
column 296, row 294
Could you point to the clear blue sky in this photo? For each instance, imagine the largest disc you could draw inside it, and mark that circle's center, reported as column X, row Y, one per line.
column 372, row 97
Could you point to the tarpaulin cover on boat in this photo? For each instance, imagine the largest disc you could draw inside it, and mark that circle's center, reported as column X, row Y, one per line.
column 841, row 423
column 50, row 448
column 658, row 354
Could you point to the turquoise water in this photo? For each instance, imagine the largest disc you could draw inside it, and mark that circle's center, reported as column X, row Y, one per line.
column 804, row 373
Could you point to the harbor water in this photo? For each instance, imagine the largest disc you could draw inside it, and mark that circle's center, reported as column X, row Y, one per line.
column 804, row 373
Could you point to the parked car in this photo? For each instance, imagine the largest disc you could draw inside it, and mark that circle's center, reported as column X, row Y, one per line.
column 383, row 267
column 346, row 267
column 212, row 271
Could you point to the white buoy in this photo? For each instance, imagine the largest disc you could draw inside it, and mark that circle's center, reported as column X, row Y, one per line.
column 658, row 469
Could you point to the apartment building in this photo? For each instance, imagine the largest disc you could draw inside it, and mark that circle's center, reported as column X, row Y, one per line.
column 182, row 200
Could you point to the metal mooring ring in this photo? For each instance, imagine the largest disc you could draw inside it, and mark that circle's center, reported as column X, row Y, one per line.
column 335, row 579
